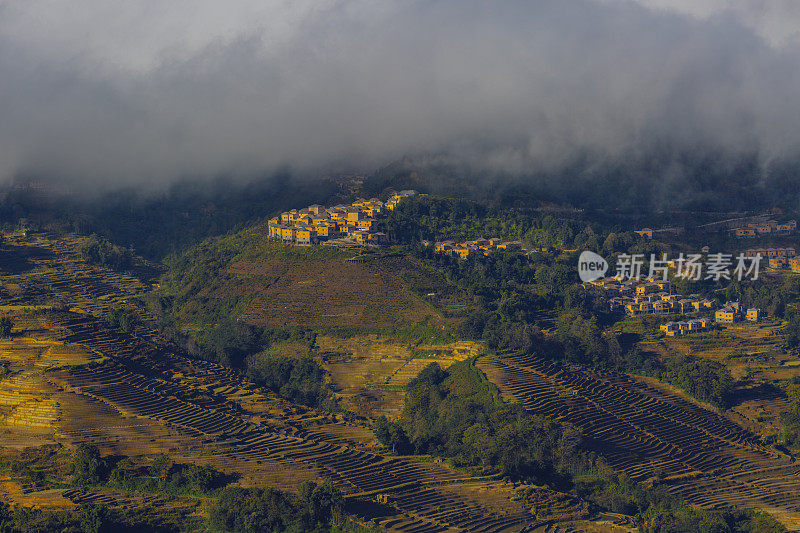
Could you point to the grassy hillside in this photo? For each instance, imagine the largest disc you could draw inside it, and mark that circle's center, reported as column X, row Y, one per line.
column 248, row 278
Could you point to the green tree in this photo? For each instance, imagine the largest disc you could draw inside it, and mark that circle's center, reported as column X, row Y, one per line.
column 392, row 435
column 6, row 324
column 252, row 510
column 322, row 503
column 87, row 465
column 94, row 518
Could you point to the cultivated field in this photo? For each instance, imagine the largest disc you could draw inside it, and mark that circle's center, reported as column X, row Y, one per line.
column 650, row 434
column 753, row 353
column 134, row 394
column 377, row 294
column 370, row 372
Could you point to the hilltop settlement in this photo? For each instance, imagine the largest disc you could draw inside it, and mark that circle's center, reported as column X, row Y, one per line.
column 357, row 222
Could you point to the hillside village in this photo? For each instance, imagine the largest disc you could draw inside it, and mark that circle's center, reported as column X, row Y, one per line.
column 768, row 227
column 648, row 297
column 655, row 297
column 467, row 248
column 778, row 258
column 369, row 373
column 741, row 227
column 356, row 222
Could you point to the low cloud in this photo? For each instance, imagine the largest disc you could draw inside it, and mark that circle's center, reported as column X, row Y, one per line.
column 148, row 92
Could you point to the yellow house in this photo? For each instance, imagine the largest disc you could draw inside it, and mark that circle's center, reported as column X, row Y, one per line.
column 462, row 251
column 698, row 324
column 353, row 215
column 753, row 314
column 305, row 236
column 372, row 207
column 669, row 326
column 287, row 233
column 645, row 289
column 726, row 315
column 274, row 226
column 365, row 223
column 661, row 307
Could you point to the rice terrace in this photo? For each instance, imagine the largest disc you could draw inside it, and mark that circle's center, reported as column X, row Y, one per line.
column 390, row 266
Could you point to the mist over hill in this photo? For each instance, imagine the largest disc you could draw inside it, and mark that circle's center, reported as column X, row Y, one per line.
column 664, row 101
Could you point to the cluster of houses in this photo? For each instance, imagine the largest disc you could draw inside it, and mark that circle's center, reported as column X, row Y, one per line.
column 648, row 297
column 465, row 249
column 688, row 327
column 779, row 258
column 728, row 314
column 768, row 227
column 748, row 229
column 655, row 297
column 731, row 312
column 315, row 223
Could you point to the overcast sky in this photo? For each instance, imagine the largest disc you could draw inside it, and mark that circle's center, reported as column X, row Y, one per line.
column 152, row 90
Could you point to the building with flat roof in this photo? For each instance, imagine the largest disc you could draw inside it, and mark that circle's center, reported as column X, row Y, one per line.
column 726, row 315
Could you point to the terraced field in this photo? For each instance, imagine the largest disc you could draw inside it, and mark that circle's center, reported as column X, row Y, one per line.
column 42, row 271
column 647, row 434
column 200, row 399
column 139, row 392
column 209, row 404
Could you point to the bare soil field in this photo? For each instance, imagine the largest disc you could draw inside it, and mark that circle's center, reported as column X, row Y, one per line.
column 376, row 294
